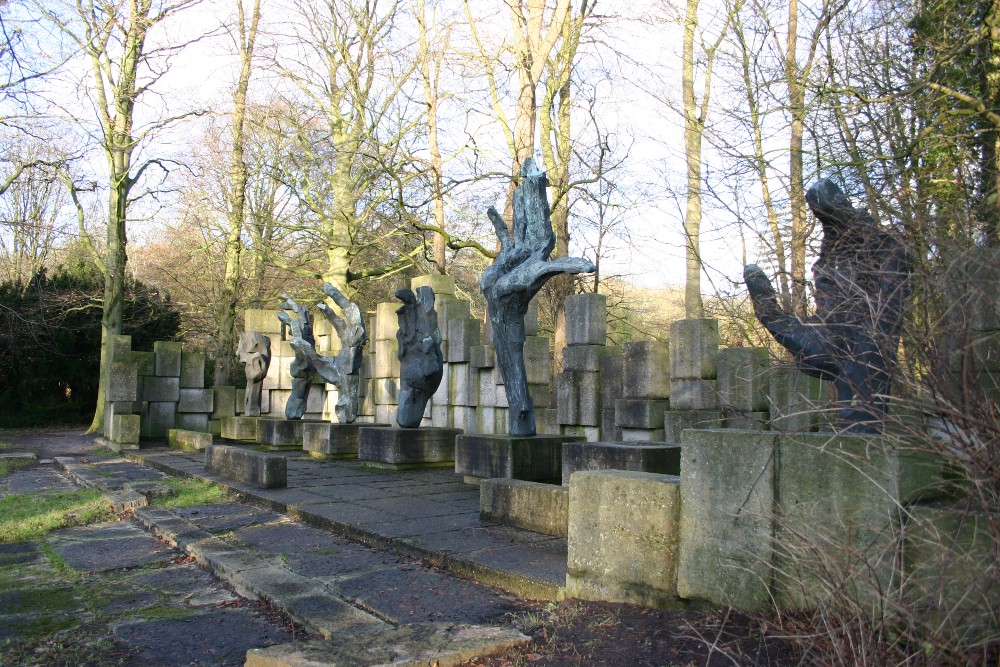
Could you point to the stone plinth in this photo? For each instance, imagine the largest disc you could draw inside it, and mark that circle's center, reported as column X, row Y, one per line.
column 676, row 421
column 728, row 483
column 543, row 508
column 656, row 458
column 403, row 448
column 646, row 370
column 275, row 434
column 623, row 537
column 190, row 441
column 240, row 428
column 324, row 440
column 532, row 458
column 248, row 466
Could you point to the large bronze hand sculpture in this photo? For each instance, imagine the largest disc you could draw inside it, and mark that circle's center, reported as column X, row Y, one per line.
column 861, row 282
column 421, row 364
column 301, row 368
column 521, row 269
column 344, row 370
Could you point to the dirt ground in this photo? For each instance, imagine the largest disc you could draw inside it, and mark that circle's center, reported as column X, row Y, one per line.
column 574, row 633
column 48, row 443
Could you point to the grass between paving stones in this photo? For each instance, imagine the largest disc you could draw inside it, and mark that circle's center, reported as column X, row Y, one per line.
column 189, row 491
column 76, row 648
column 7, row 467
column 31, row 516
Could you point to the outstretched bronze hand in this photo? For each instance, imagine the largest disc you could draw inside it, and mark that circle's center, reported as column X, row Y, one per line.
column 301, row 368
column 421, row 364
column 861, row 282
column 520, row 269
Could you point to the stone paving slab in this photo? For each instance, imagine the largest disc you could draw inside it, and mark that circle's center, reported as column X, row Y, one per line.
column 35, row 480
column 428, row 514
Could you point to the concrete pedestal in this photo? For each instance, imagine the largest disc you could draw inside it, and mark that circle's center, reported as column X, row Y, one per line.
column 407, row 448
column 657, row 458
column 240, row 428
column 282, row 434
column 534, row 458
column 325, row 440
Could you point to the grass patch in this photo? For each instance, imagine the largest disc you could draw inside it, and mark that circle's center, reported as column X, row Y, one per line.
column 7, row 467
column 189, row 492
column 31, row 516
column 77, row 648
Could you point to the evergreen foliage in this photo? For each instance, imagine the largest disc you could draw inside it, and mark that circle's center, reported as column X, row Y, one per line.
column 50, row 341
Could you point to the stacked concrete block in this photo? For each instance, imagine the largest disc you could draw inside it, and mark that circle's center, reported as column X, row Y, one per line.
column 612, row 373
column 798, row 403
column 578, row 386
column 694, row 354
column 382, row 394
column 743, row 387
column 646, row 390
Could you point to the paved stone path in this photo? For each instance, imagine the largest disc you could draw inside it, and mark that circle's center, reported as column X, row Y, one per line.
column 369, row 565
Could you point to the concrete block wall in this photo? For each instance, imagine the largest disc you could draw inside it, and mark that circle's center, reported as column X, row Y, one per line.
column 151, row 393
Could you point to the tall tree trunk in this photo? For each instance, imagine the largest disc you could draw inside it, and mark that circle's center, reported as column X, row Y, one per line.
column 225, row 359
column 430, row 78
column 693, row 130
column 796, row 185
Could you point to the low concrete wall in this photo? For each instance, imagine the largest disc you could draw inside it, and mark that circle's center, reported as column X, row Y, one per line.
column 188, row 440
column 543, row 508
column 249, row 466
column 623, row 537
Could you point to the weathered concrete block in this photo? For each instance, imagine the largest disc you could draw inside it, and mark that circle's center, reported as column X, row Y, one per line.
column 192, row 369
column 947, row 555
column 189, row 441
column 408, row 447
column 121, row 347
column 215, row 427
column 534, row 458
column 797, row 401
column 485, row 419
column 463, row 385
column 192, row 421
column 463, row 334
column 145, row 362
column 281, row 433
column 538, row 359
column 643, row 435
column 482, row 356
column 586, row 319
column 662, row 459
column 543, row 508
column 440, row 283
column 386, row 321
column 675, row 421
column 196, row 400
column 640, row 413
column 386, row 358
column 586, row 357
column 646, row 370
column 745, row 421
column 240, row 428
column 501, row 396
column 463, row 417
column 385, row 414
column 124, row 381
column 161, row 389
column 125, row 429
column 386, row 391
column 168, row 358
column 547, row 421
column 694, row 395
column 623, row 537
column 441, row 395
column 324, row 440
column 263, row 321
column 501, row 422
column 451, row 309
column 440, row 416
column 726, row 533
column 612, row 376
column 578, row 398
column 838, row 523
column 743, row 379
column 610, row 430
column 157, row 418
column 247, row 466
column 586, row 433
column 541, row 395
column 224, row 402
column 694, row 349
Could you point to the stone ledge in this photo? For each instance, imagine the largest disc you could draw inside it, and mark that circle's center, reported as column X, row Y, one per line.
column 414, row 645
column 543, row 508
column 258, row 469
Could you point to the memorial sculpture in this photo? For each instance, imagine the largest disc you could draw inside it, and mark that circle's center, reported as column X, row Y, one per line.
column 861, row 282
column 519, row 270
column 344, row 370
column 254, row 351
column 421, row 363
column 301, row 368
